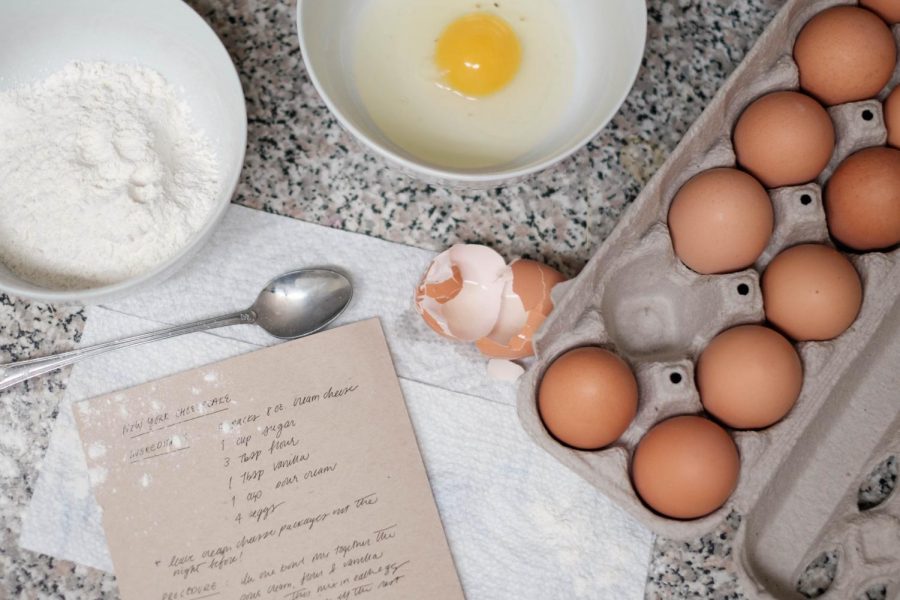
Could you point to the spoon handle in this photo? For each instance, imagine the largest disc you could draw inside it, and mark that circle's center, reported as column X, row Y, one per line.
column 13, row 373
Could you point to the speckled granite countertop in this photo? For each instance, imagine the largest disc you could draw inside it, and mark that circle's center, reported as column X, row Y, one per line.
column 300, row 163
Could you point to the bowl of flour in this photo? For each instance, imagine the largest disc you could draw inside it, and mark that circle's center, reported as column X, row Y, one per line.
column 122, row 136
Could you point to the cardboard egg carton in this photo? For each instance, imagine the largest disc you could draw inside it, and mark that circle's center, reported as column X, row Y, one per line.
column 800, row 478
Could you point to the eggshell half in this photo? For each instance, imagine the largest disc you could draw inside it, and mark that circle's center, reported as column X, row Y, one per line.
column 526, row 304
column 460, row 295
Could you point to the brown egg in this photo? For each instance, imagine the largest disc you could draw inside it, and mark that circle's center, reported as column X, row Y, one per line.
column 845, row 54
column 862, row 200
column 889, row 10
column 686, row 467
column 587, row 398
column 892, row 117
column 749, row 377
column 785, row 138
column 531, row 286
column 811, row 292
column 721, row 221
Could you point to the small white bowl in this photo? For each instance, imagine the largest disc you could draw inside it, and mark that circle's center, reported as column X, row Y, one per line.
column 608, row 36
column 40, row 37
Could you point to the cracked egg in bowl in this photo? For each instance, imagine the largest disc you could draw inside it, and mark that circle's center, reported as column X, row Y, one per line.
column 469, row 92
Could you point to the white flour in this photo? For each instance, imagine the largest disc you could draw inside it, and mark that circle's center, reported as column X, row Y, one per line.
column 102, row 175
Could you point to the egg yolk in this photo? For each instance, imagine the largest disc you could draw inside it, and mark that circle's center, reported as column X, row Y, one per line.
column 478, row 54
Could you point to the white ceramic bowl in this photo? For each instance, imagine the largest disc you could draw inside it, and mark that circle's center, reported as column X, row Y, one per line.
column 41, row 36
column 608, row 36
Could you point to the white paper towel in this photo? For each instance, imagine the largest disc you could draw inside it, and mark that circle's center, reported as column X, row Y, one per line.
column 519, row 524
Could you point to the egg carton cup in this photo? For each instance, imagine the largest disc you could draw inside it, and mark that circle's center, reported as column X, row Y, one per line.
column 800, row 478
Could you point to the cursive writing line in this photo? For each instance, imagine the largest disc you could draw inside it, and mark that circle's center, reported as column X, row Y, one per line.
column 137, row 435
column 160, row 454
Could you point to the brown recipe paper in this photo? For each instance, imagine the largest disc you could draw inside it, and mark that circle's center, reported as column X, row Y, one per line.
column 291, row 472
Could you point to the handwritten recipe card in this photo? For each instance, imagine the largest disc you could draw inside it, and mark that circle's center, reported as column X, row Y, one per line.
column 292, row 472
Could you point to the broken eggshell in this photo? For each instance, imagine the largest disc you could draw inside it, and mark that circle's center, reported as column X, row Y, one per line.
column 526, row 304
column 461, row 294
column 504, row 370
column 470, row 294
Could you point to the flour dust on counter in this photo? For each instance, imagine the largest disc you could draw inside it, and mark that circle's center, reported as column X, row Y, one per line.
column 102, row 175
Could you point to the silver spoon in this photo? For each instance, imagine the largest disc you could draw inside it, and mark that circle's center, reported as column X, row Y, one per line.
column 290, row 306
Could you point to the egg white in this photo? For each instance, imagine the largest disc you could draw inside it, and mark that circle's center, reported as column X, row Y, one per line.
column 399, row 83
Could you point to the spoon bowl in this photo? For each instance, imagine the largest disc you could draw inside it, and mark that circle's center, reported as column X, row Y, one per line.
column 301, row 302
